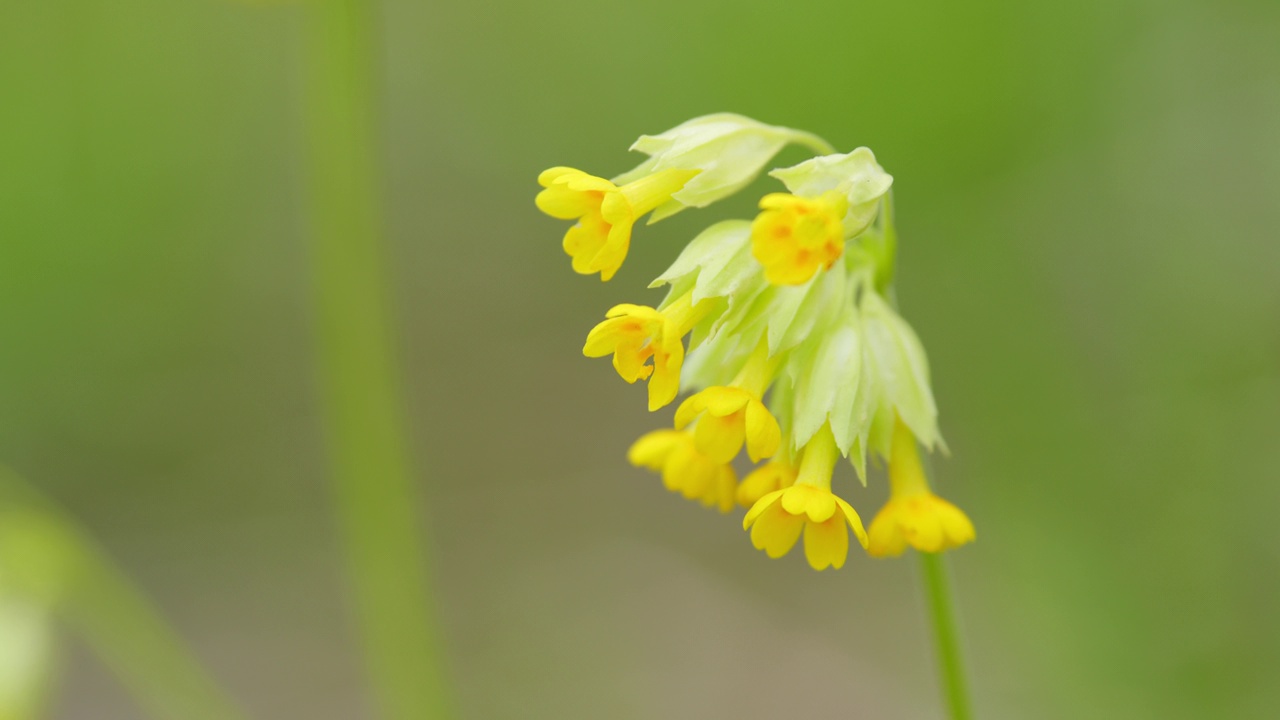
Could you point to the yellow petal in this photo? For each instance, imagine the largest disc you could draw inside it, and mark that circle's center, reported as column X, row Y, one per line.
column 956, row 526
column 582, row 182
column 629, row 358
column 762, row 481
column 851, row 517
column 723, row 401
column 759, row 507
column 664, row 385
column 689, row 410
column 564, row 204
column 922, row 528
column 776, row 531
column 763, row 433
column 615, row 209
column 885, row 538
column 652, row 449
column 816, row 503
column 826, row 543
column 719, row 438
column 547, row 177
column 643, row 312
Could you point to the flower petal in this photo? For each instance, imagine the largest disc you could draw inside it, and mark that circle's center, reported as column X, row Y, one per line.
column 653, row 448
column 719, row 438
column 826, row 543
column 763, row 433
column 855, row 522
column 759, row 507
column 776, row 531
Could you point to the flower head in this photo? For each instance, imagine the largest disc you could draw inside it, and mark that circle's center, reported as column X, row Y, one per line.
column 782, row 330
column 605, row 212
column 796, row 236
column 914, row 515
column 777, row 520
column 646, row 344
column 675, row 455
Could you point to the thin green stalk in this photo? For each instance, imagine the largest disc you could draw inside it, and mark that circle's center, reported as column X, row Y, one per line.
column 937, row 588
column 374, row 497
column 46, row 557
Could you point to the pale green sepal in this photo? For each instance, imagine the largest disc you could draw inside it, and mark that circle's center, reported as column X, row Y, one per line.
column 903, row 369
column 826, row 387
column 717, row 361
column 676, row 291
column 824, row 302
column 709, row 252
column 729, row 149
column 857, row 175
column 843, row 412
column 858, row 457
column 781, row 405
column 740, row 271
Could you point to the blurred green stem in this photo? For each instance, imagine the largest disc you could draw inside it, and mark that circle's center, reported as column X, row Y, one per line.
column 937, row 585
column 374, row 498
column 47, row 557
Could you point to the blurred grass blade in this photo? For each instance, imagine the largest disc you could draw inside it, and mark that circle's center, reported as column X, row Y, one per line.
column 46, row 557
column 373, row 495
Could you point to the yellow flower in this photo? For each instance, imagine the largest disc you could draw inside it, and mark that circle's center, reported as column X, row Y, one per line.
column 777, row 520
column 795, row 236
column 771, row 476
column 605, row 212
column 675, row 455
column 727, row 418
column 637, row 334
column 914, row 515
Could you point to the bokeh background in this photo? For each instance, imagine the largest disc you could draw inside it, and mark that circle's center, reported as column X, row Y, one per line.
column 1087, row 195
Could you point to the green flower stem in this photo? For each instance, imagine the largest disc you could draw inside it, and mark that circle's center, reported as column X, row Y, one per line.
column 46, row 556
column 374, row 497
column 937, row 588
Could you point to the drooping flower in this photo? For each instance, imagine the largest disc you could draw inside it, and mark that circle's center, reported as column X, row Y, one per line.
column 914, row 515
column 797, row 236
column 729, row 417
column 674, row 454
column 777, row 520
column 605, row 212
column 647, row 344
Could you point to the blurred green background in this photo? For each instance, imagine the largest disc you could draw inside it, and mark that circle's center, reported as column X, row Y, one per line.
column 1087, row 195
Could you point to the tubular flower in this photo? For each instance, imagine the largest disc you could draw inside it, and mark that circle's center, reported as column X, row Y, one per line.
column 674, row 455
column 795, row 236
column 636, row 335
column 771, row 476
column 605, row 212
column 728, row 417
column 914, row 515
column 777, row 520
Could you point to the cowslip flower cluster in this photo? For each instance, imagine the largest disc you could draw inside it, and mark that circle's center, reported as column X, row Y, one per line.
column 781, row 331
